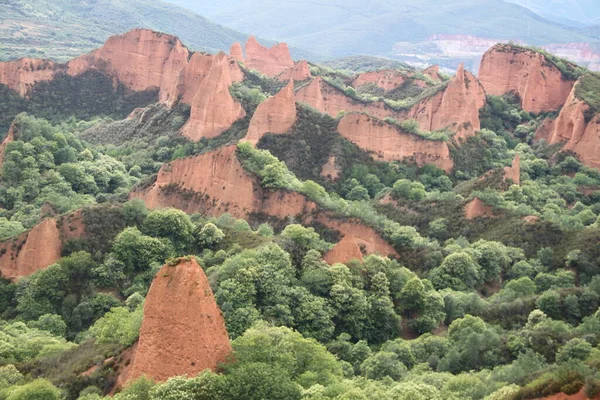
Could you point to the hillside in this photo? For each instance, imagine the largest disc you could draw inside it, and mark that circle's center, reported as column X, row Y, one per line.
column 183, row 225
column 340, row 28
column 63, row 29
column 567, row 12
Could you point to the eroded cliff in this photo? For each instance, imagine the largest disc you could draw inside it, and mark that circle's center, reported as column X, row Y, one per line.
column 270, row 61
column 390, row 143
column 540, row 84
column 183, row 331
column 276, row 115
column 577, row 126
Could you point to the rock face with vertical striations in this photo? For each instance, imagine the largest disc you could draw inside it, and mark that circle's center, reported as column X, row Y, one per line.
column 477, row 209
column 389, row 143
column 183, row 331
column 299, row 72
column 277, row 114
column 270, row 62
column 10, row 136
column 514, row 171
column 236, row 52
column 140, row 59
column 21, row 75
column 578, row 127
column 455, row 108
column 540, row 84
column 39, row 247
column 213, row 109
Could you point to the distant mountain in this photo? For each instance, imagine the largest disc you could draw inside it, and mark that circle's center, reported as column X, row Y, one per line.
column 62, row 29
column 345, row 27
column 569, row 12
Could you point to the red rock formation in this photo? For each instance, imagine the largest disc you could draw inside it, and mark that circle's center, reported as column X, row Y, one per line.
column 31, row 251
column 358, row 239
column 276, row 115
column 141, row 59
column 386, row 79
column 330, row 100
column 299, row 72
column 330, row 169
column 514, row 171
column 40, row 247
column 213, row 109
column 455, row 108
column 433, row 72
column 580, row 134
column 183, row 331
column 236, row 52
column 577, row 396
column 389, row 143
column 541, row 86
column 270, row 62
column 477, row 208
column 216, row 183
column 20, row 75
column 10, row 136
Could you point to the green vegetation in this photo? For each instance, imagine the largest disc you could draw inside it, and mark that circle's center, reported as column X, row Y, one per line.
column 588, row 89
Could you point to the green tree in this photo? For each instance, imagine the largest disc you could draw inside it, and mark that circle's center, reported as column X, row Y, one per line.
column 383, row 364
column 458, row 271
column 138, row 251
column 172, row 224
column 39, row 389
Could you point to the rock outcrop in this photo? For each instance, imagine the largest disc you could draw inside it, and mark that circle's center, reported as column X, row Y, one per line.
column 31, row 251
column 540, row 84
column 358, row 240
column 21, row 75
column 299, row 72
column 331, row 170
column 277, row 114
column 513, row 172
column 477, row 209
column 389, row 143
column 270, row 62
column 183, row 331
column 236, row 52
column 213, row 109
column 330, row 100
column 10, row 136
column 577, row 127
column 140, row 59
column 433, row 73
column 39, row 247
column 455, row 108
column 386, row 79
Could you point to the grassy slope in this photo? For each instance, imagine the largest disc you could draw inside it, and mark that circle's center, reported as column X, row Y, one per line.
column 62, row 29
column 341, row 27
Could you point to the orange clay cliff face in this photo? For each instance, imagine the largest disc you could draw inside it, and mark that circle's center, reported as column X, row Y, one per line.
column 277, row 115
column 389, row 143
column 455, row 107
column 140, row 59
column 38, row 248
column 213, row 109
column 270, row 62
column 384, row 79
column 183, row 331
column 21, row 75
column 541, row 86
column 577, row 129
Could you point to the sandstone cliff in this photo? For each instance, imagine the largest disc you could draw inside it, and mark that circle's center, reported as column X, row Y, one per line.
column 433, row 72
column 141, row 59
column 389, row 143
column 270, row 62
column 10, row 136
column 299, row 72
column 384, row 79
column 577, row 128
column 358, row 240
column 541, row 86
column 514, row 171
column 477, row 209
column 456, row 107
column 183, row 331
column 213, row 109
column 236, row 52
column 38, row 248
column 20, row 75
column 276, row 115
